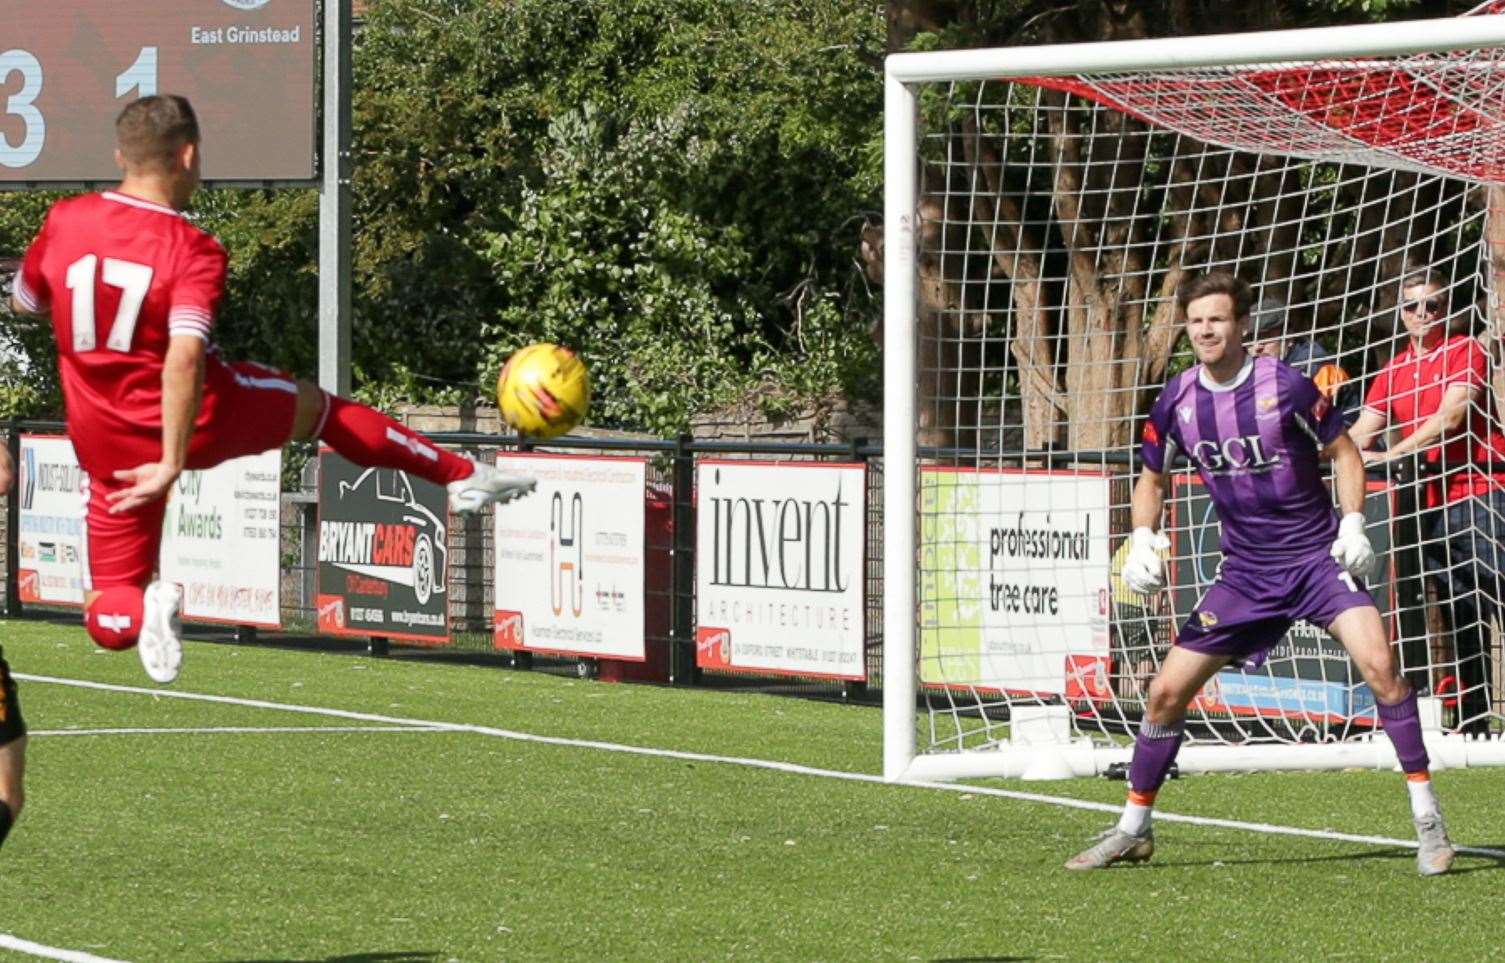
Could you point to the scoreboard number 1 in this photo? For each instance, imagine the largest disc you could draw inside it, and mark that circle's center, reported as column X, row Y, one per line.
column 140, row 76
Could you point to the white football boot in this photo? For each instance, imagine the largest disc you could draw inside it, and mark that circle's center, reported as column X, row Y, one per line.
column 485, row 485
column 161, row 642
column 1115, row 846
column 1434, row 851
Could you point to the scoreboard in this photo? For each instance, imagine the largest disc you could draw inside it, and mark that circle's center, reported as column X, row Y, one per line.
column 67, row 67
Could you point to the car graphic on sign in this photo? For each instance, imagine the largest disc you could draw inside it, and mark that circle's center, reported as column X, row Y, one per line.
column 430, row 545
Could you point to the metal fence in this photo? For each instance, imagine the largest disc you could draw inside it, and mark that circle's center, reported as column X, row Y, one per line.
column 670, row 597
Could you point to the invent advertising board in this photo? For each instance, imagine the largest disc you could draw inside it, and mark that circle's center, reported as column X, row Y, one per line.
column 67, row 67
column 53, row 490
column 570, row 558
column 221, row 541
column 779, row 574
column 1308, row 674
column 1014, row 570
column 383, row 553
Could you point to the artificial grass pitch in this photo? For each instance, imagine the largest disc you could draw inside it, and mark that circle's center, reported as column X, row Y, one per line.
column 346, row 843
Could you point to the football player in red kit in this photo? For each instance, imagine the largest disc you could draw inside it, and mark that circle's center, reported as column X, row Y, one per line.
column 133, row 288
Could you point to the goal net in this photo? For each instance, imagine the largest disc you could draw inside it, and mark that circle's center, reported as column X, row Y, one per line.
column 1042, row 207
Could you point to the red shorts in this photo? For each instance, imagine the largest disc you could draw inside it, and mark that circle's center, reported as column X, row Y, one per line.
column 247, row 408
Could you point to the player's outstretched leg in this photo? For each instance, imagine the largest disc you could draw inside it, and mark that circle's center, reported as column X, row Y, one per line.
column 122, row 616
column 368, row 437
column 1133, row 840
column 12, row 752
column 1402, row 723
column 1363, row 635
column 1155, row 747
column 12, row 795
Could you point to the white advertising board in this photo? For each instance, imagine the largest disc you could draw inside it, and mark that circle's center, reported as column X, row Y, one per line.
column 570, row 571
column 221, row 541
column 53, row 491
column 1014, row 571
column 779, row 567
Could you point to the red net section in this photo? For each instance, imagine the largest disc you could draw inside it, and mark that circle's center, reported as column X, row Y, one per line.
column 1438, row 114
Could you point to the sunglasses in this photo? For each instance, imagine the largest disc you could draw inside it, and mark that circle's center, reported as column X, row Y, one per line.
column 1429, row 306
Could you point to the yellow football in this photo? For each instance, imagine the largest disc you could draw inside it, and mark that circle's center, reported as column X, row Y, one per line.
column 543, row 390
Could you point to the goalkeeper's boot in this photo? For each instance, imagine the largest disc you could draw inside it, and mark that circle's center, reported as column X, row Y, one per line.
column 161, row 642
column 1434, row 855
column 485, row 485
column 1115, row 846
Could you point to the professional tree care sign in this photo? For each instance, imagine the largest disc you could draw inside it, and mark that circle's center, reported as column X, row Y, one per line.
column 570, row 572
column 779, row 567
column 1014, row 573
column 220, row 541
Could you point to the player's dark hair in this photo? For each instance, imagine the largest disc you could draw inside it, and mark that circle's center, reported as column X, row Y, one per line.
column 151, row 130
column 1217, row 282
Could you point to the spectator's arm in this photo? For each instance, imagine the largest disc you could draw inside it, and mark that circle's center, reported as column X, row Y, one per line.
column 1449, row 417
column 1368, row 424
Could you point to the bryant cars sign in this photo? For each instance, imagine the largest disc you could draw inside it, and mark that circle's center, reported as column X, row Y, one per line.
column 383, row 553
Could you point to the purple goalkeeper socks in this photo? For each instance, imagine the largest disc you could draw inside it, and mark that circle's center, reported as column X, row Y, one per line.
column 1402, row 724
column 1155, row 748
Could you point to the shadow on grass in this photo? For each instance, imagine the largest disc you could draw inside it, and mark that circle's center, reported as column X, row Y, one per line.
column 1491, row 863
column 401, row 956
column 982, row 959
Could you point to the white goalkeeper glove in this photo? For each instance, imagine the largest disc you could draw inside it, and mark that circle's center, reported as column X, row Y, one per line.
column 1144, row 572
column 1351, row 549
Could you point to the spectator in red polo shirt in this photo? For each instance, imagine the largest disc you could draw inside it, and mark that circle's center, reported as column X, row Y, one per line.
column 1437, row 394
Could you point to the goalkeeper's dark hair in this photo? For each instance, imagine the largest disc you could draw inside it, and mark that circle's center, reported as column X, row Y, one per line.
column 1217, row 282
column 151, row 130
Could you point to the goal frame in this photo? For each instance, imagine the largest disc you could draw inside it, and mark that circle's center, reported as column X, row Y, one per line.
column 901, row 482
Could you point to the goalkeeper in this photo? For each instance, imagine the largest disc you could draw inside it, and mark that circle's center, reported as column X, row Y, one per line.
column 1256, row 430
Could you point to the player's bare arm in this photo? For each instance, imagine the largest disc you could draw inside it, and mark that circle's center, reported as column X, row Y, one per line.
column 1352, row 548
column 1143, row 570
column 182, row 387
column 22, row 311
column 1148, row 502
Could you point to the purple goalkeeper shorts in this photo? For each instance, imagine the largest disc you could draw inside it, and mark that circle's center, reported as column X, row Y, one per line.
column 1248, row 609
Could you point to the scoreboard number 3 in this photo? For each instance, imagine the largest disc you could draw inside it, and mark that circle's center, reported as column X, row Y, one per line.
column 22, row 104
column 140, row 76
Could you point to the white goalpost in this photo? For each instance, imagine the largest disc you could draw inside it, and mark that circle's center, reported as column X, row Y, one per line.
column 1041, row 206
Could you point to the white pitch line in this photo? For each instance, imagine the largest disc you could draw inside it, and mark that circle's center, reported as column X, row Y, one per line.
column 9, row 942
column 787, row 767
column 215, row 730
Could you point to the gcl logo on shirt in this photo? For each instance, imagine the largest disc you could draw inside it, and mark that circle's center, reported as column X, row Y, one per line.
column 1233, row 454
column 247, row 4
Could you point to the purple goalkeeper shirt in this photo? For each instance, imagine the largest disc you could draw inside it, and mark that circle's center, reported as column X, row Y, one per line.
column 1255, row 442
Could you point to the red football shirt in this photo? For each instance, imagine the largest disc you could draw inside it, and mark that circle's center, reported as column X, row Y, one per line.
column 1409, row 391
column 120, row 277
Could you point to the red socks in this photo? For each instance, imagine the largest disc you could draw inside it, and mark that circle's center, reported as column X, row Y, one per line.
column 114, row 620
column 370, row 438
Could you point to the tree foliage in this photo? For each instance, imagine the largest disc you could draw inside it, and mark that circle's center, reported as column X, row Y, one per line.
column 669, row 186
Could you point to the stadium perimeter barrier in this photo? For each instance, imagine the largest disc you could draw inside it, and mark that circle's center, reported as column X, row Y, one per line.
column 670, row 548
column 670, row 597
